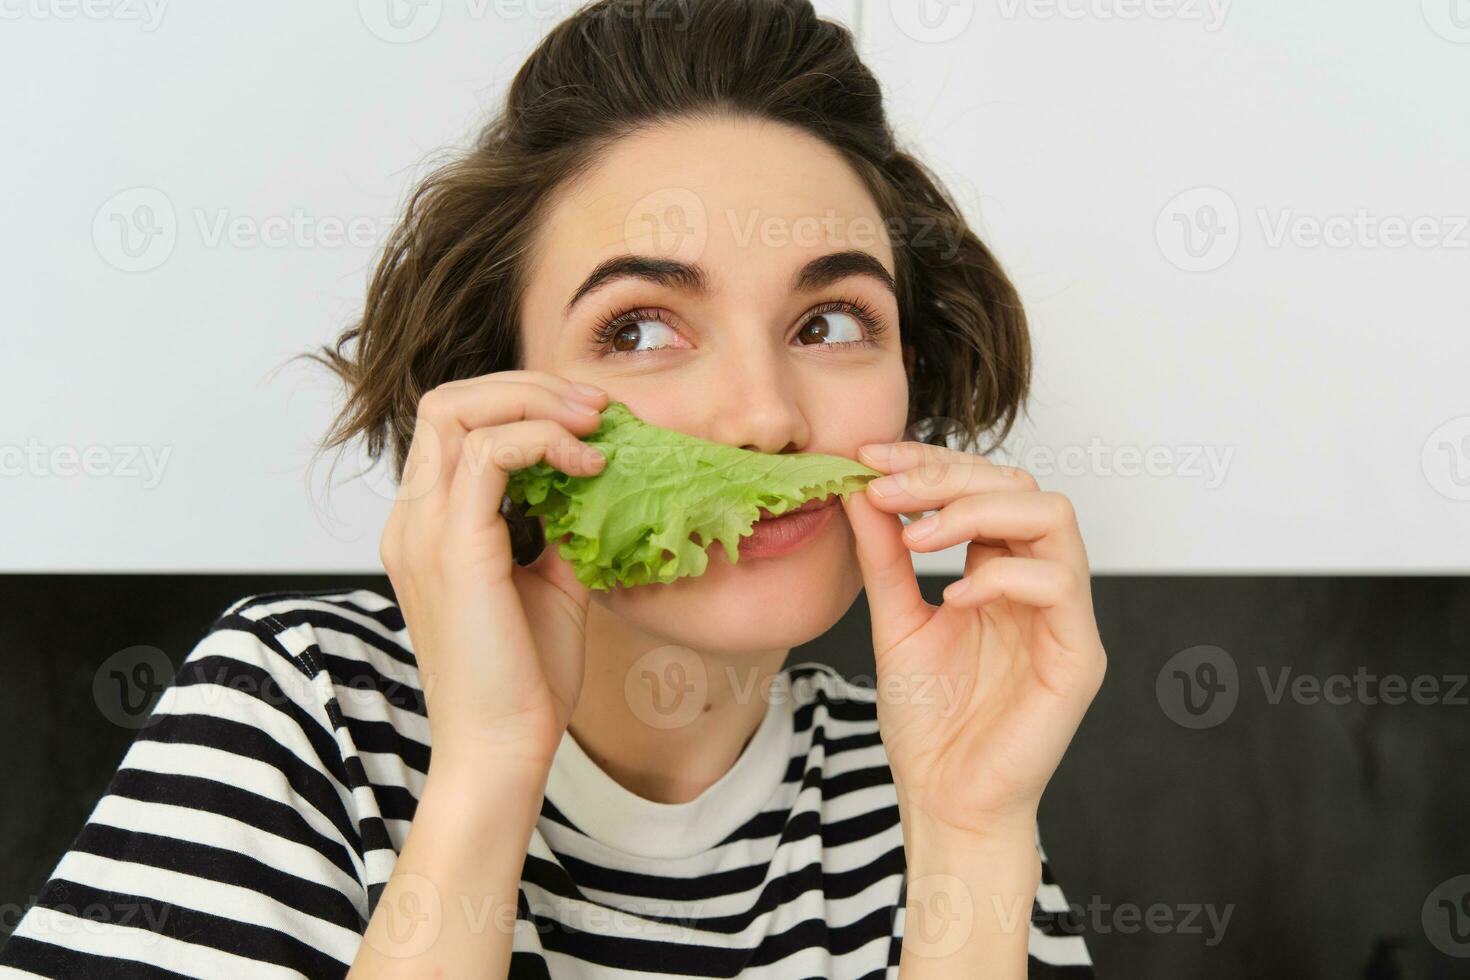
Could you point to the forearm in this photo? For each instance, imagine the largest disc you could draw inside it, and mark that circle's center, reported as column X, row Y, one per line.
column 968, row 911
column 449, row 909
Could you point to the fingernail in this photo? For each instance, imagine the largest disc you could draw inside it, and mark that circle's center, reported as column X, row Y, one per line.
column 588, row 390
column 923, row 528
column 878, row 452
column 957, row 588
column 888, row 486
column 581, row 408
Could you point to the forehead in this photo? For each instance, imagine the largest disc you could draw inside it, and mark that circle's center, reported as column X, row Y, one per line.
column 745, row 198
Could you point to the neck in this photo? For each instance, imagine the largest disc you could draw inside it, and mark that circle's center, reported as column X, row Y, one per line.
column 664, row 720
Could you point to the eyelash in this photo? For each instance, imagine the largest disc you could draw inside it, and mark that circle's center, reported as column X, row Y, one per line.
column 609, row 326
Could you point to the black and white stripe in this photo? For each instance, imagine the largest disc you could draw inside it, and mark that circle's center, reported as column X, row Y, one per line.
column 253, row 822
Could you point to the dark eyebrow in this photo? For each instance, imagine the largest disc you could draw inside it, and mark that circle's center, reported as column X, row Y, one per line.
column 827, row 269
column 661, row 272
column 821, row 271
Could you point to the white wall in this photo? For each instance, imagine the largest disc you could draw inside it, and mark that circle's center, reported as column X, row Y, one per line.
column 1304, row 403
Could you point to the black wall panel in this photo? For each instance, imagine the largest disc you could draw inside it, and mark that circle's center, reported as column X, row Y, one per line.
column 1300, row 834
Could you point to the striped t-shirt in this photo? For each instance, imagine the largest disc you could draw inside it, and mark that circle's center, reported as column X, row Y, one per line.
column 254, row 820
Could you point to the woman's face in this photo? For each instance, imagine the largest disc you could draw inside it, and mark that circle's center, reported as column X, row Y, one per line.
column 737, row 333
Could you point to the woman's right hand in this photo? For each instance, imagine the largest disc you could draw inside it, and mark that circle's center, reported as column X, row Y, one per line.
column 499, row 646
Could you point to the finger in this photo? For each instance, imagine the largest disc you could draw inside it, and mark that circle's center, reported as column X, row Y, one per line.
column 454, row 410
column 448, row 414
column 977, row 553
column 475, row 566
column 555, row 382
column 895, row 603
column 489, row 455
column 922, row 481
column 1044, row 520
column 1062, row 596
column 892, row 457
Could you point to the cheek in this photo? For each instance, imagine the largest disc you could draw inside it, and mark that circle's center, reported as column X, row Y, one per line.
column 876, row 410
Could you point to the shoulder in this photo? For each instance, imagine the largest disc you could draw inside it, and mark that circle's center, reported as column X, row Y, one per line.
column 320, row 679
column 325, row 660
column 340, row 634
column 361, row 614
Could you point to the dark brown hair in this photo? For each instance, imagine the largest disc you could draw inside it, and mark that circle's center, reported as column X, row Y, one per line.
column 444, row 298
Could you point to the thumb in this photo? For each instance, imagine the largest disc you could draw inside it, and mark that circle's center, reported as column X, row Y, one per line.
column 895, row 603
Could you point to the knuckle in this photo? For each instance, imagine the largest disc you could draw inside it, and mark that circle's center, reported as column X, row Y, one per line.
column 1061, row 505
column 388, row 552
column 431, row 403
column 1023, row 477
column 1093, row 672
column 479, row 441
column 481, row 447
column 547, row 434
column 1069, row 583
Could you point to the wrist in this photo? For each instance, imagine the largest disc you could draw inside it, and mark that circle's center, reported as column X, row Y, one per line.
column 995, row 835
column 495, row 788
column 968, row 903
column 1008, row 857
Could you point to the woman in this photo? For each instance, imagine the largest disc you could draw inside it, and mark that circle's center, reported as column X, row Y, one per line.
column 698, row 211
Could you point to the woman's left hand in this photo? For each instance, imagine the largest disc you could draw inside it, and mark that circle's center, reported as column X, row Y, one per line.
column 979, row 697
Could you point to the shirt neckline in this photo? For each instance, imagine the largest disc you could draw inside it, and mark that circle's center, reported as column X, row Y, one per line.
column 614, row 816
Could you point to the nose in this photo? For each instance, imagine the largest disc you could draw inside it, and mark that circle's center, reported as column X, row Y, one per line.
column 758, row 406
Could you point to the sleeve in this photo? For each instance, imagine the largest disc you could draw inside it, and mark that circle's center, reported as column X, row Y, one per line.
column 1056, row 949
column 225, row 844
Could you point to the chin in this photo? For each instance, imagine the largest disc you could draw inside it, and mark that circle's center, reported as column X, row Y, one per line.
column 755, row 603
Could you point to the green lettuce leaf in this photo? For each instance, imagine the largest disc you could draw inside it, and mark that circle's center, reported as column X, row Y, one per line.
column 631, row 523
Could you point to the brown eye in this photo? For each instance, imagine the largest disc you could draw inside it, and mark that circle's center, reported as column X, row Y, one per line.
column 626, row 338
column 821, row 329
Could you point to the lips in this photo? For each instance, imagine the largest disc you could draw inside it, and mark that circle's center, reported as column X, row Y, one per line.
column 774, row 536
column 816, row 503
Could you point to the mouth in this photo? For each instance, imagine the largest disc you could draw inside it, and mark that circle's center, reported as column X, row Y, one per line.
column 816, row 503
column 775, row 535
